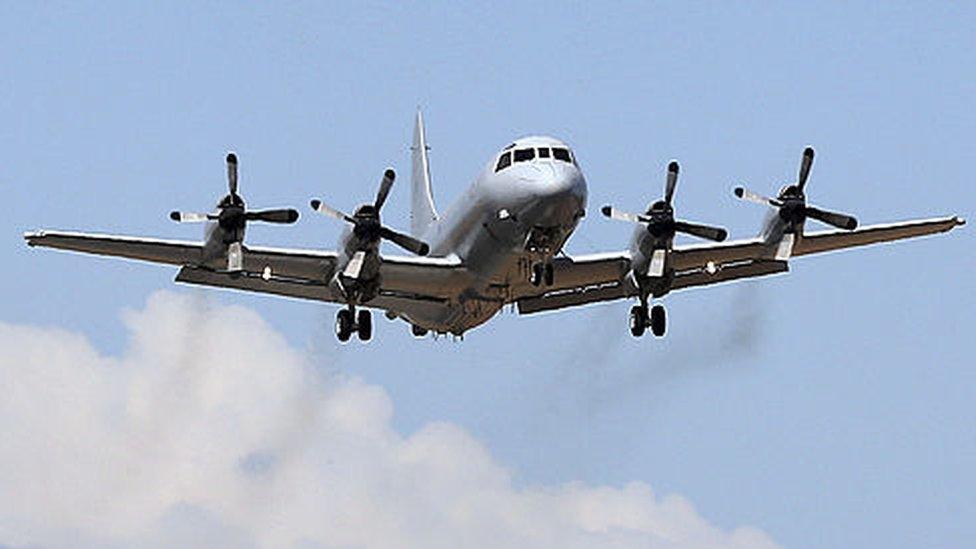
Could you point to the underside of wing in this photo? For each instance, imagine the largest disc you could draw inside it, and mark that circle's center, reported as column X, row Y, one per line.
column 626, row 288
column 297, row 288
column 172, row 252
column 837, row 240
column 578, row 281
column 605, row 277
column 407, row 283
column 701, row 256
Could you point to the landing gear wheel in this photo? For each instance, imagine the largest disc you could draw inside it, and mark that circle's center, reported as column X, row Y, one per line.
column 364, row 325
column 343, row 325
column 658, row 320
column 548, row 274
column 537, row 274
column 418, row 331
column 638, row 320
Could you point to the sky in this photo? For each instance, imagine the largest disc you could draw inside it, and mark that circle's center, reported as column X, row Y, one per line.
column 828, row 407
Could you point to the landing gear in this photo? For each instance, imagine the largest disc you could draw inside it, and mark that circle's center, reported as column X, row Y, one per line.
column 542, row 272
column 344, row 325
column 365, row 325
column 347, row 322
column 640, row 321
column 418, row 331
column 658, row 320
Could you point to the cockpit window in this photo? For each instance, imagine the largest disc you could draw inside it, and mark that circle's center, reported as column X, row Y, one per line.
column 561, row 154
column 522, row 155
column 504, row 161
column 544, row 152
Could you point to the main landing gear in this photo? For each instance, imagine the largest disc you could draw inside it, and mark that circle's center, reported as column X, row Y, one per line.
column 347, row 322
column 640, row 320
column 542, row 272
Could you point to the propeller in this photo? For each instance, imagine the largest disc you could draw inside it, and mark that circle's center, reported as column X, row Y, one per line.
column 231, row 212
column 792, row 202
column 660, row 216
column 232, row 216
column 366, row 222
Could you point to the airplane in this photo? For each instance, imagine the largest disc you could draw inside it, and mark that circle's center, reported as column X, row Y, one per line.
column 500, row 244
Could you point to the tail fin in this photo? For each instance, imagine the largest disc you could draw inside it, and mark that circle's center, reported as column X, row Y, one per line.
column 422, row 212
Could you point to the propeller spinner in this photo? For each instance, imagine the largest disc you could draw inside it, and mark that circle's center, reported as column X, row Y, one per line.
column 660, row 219
column 792, row 202
column 366, row 221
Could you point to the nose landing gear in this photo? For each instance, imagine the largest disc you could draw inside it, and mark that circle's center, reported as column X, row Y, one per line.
column 640, row 320
column 347, row 322
column 542, row 272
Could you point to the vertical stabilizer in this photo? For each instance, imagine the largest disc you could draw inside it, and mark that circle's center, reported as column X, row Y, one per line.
column 422, row 212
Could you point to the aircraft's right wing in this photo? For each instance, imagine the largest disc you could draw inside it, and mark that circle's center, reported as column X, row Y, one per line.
column 409, row 284
column 284, row 261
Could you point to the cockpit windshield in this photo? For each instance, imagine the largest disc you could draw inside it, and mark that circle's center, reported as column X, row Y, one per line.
column 509, row 156
column 561, row 154
column 524, row 155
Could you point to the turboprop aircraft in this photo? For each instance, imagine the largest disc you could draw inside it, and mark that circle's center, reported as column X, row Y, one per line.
column 500, row 244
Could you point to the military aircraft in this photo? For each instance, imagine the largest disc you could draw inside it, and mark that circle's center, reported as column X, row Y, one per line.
column 500, row 244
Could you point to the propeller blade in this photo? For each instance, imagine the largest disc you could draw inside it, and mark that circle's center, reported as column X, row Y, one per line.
column 805, row 165
column 324, row 208
column 286, row 215
column 672, row 181
column 406, row 242
column 614, row 213
column 187, row 217
column 749, row 196
column 232, row 172
column 388, row 176
column 839, row 220
column 717, row 234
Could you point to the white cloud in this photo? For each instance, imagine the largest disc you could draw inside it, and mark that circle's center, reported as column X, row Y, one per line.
column 211, row 431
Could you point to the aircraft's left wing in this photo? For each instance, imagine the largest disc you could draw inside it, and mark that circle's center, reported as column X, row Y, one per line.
column 827, row 241
column 609, row 278
column 592, row 279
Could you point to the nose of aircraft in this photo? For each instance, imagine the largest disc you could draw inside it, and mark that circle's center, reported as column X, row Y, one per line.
column 559, row 192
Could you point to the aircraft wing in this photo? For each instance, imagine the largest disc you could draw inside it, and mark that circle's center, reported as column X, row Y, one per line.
column 827, row 241
column 605, row 277
column 285, row 262
column 409, row 284
column 297, row 273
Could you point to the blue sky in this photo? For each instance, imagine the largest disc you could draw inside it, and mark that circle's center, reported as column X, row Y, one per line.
column 829, row 407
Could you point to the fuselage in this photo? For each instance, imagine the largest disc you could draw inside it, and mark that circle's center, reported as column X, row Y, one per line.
column 520, row 210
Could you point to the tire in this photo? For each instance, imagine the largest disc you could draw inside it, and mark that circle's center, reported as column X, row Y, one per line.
column 549, row 274
column 343, row 327
column 418, row 331
column 638, row 320
column 658, row 320
column 365, row 325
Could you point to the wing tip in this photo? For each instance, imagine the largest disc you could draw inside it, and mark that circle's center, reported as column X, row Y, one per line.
column 31, row 236
column 960, row 221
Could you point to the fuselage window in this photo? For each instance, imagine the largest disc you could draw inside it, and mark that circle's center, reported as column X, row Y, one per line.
column 504, row 161
column 523, row 155
column 561, row 154
column 544, row 153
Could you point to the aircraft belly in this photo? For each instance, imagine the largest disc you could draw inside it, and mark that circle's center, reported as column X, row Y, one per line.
column 456, row 317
